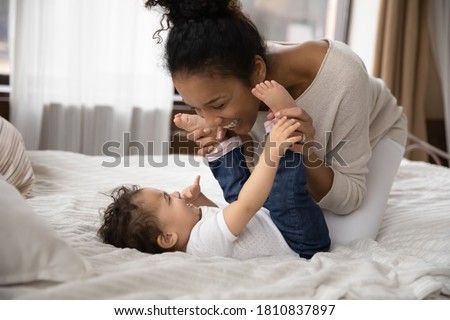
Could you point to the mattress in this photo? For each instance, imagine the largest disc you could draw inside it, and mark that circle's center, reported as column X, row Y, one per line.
column 410, row 258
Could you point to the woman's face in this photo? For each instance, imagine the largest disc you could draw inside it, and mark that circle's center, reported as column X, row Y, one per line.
column 221, row 101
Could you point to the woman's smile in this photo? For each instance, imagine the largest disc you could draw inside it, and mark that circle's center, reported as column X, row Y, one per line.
column 238, row 106
column 232, row 124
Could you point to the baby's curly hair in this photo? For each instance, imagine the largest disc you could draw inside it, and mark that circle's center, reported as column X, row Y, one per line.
column 126, row 225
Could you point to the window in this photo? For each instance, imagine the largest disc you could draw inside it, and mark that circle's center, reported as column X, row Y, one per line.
column 4, row 60
column 4, row 63
column 299, row 20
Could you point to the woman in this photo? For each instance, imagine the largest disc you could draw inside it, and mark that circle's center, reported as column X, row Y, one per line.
column 350, row 121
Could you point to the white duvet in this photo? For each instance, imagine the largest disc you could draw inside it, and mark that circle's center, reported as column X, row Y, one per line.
column 410, row 259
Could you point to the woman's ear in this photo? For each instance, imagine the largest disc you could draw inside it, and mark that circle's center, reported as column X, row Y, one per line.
column 259, row 70
column 167, row 240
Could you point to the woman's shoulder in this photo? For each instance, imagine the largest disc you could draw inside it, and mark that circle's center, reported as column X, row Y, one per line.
column 298, row 64
column 329, row 53
column 314, row 47
column 307, row 47
column 305, row 57
column 339, row 62
column 312, row 55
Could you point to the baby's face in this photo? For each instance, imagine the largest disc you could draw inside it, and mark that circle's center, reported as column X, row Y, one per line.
column 172, row 211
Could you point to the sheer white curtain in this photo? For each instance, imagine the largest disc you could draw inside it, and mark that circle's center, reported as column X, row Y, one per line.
column 81, row 68
column 439, row 20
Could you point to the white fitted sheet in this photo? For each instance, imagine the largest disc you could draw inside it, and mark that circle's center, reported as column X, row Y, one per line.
column 410, row 258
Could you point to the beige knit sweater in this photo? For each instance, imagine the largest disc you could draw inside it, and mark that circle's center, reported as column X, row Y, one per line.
column 351, row 112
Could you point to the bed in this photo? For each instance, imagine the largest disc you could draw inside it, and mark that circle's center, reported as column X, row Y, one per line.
column 410, row 258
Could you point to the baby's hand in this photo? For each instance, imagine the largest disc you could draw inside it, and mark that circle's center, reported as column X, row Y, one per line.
column 280, row 137
column 192, row 192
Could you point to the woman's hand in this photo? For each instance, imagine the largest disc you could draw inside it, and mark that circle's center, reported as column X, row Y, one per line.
column 197, row 131
column 191, row 193
column 306, row 127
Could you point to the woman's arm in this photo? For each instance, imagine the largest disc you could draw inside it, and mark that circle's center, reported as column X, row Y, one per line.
column 337, row 186
column 320, row 177
column 342, row 104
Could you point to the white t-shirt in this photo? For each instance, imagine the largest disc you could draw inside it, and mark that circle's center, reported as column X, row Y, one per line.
column 211, row 237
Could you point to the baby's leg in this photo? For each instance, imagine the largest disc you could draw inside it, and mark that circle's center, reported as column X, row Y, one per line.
column 274, row 95
column 294, row 212
column 230, row 169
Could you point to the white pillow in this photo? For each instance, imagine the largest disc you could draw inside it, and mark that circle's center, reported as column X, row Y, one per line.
column 15, row 165
column 29, row 249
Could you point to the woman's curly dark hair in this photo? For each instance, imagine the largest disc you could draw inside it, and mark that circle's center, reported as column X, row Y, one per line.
column 209, row 36
column 126, row 225
column 179, row 10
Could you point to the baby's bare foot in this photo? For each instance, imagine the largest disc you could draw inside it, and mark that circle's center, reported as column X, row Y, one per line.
column 189, row 122
column 274, row 95
column 193, row 122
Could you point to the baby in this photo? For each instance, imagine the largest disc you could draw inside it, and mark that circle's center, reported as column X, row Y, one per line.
column 269, row 211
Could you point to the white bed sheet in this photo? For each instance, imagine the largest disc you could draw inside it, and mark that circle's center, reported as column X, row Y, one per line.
column 410, row 258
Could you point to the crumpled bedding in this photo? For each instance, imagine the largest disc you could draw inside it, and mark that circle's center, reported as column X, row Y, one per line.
column 410, row 258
